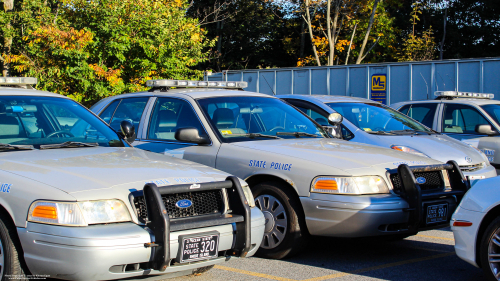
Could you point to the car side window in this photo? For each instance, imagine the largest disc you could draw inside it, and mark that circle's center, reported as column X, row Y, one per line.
column 107, row 114
column 129, row 109
column 168, row 116
column 310, row 111
column 423, row 113
column 462, row 119
column 404, row 109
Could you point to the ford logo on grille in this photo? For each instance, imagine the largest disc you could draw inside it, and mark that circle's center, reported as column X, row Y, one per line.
column 184, row 203
column 421, row 180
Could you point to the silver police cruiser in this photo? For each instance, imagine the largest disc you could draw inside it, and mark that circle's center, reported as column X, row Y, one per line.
column 473, row 118
column 304, row 181
column 370, row 122
column 77, row 202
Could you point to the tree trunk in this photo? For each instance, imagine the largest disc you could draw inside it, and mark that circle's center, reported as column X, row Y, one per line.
column 444, row 34
column 372, row 17
column 309, row 25
column 7, row 44
column 350, row 44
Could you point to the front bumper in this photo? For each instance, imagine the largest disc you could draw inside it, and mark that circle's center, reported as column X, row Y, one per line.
column 114, row 251
column 383, row 214
column 487, row 172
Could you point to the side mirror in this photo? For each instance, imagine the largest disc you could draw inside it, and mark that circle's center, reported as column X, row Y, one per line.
column 485, row 130
column 191, row 135
column 335, row 118
column 128, row 131
column 335, row 131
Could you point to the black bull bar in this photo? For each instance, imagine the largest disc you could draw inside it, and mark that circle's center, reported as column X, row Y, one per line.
column 161, row 225
column 414, row 196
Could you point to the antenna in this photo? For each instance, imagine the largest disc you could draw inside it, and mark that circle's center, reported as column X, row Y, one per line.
column 263, row 76
column 441, row 79
column 451, row 81
column 425, row 85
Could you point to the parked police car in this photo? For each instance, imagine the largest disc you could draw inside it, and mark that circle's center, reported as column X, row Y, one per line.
column 469, row 117
column 302, row 180
column 77, row 202
column 476, row 227
column 374, row 123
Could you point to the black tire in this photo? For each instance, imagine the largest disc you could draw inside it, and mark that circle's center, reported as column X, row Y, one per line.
column 201, row 270
column 295, row 234
column 492, row 228
column 10, row 248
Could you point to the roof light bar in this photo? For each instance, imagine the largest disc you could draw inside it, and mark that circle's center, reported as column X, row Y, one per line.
column 454, row 94
column 196, row 84
column 18, row 81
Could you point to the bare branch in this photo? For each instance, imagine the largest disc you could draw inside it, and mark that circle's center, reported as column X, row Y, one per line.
column 370, row 48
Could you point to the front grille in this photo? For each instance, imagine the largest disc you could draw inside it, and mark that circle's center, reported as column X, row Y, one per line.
column 433, row 181
column 204, row 203
column 471, row 168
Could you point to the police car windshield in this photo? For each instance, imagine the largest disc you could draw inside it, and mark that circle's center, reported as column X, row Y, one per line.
column 493, row 111
column 377, row 118
column 32, row 120
column 253, row 118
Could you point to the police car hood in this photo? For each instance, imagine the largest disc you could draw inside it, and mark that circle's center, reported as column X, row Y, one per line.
column 440, row 147
column 340, row 154
column 75, row 170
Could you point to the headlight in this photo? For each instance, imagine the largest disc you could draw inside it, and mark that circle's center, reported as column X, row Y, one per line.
column 408, row 149
column 78, row 213
column 349, row 185
column 248, row 195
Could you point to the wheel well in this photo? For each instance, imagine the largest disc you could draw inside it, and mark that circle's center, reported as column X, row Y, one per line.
column 7, row 214
column 490, row 216
column 256, row 179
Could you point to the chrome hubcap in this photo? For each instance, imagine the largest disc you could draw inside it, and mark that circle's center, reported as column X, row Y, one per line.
column 276, row 222
column 494, row 254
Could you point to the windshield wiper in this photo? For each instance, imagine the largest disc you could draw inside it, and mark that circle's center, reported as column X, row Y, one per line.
column 380, row 132
column 297, row 134
column 410, row 131
column 68, row 144
column 6, row 146
column 256, row 135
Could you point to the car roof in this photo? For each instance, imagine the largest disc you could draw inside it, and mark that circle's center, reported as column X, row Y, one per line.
column 196, row 93
column 11, row 91
column 327, row 98
column 478, row 102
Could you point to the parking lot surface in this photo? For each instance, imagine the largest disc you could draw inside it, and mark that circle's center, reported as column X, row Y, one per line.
column 428, row 256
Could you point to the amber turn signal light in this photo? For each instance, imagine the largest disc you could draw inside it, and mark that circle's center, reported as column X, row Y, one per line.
column 326, row 185
column 46, row 212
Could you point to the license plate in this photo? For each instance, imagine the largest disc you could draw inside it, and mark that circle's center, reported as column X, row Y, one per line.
column 195, row 248
column 437, row 213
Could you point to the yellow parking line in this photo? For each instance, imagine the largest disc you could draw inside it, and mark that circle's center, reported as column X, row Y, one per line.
column 251, row 273
column 362, row 270
column 435, row 237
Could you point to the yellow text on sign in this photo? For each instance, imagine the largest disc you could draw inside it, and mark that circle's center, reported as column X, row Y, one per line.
column 378, row 82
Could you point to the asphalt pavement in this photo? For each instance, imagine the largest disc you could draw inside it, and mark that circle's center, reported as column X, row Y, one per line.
column 430, row 255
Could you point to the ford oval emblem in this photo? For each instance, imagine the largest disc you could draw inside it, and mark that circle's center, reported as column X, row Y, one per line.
column 184, row 203
column 421, row 180
column 468, row 159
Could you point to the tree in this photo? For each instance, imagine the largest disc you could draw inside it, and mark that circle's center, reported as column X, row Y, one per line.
column 90, row 50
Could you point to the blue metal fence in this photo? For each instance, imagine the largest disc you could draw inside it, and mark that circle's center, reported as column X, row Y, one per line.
column 405, row 81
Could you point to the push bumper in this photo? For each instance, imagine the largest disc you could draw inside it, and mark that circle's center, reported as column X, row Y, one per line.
column 384, row 214
column 115, row 251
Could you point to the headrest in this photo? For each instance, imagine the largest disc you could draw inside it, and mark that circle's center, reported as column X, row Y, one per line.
column 223, row 118
column 167, row 118
column 8, row 126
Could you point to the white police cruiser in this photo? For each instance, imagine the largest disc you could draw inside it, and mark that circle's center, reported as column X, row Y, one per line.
column 77, row 202
column 370, row 122
column 476, row 227
column 470, row 117
column 304, row 181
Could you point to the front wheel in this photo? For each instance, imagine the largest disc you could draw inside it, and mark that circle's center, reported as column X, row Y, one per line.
column 489, row 251
column 285, row 230
column 10, row 262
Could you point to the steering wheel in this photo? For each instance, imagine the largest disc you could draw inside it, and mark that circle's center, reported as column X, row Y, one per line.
column 65, row 132
column 277, row 127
